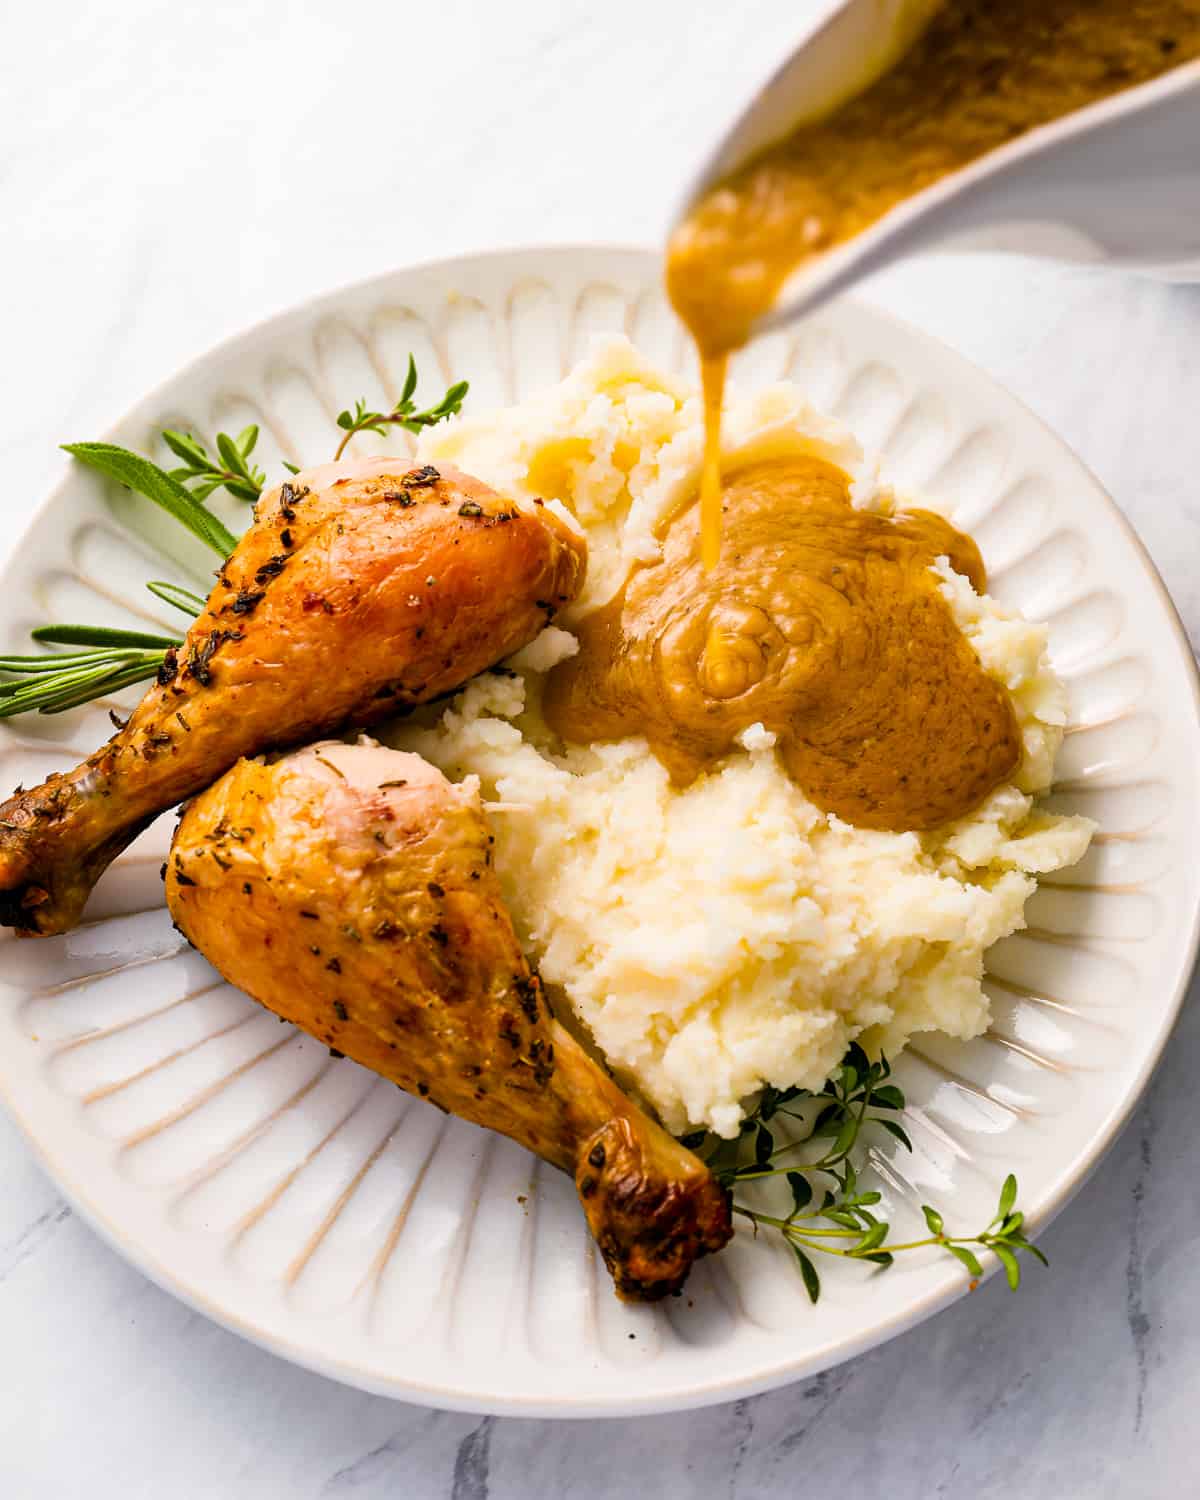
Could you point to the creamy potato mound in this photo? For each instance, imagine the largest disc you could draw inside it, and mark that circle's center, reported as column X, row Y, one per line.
column 728, row 935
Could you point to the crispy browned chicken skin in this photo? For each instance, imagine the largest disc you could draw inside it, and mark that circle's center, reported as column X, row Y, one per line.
column 360, row 587
column 350, row 889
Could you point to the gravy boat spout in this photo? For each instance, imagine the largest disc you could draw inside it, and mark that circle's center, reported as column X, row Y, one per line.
column 1117, row 181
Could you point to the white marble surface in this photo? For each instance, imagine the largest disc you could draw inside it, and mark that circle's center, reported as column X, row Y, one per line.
column 168, row 174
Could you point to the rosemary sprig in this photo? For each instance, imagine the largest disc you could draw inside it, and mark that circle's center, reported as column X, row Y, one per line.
column 178, row 597
column 52, row 684
column 96, row 635
column 830, row 1214
column 234, row 472
column 403, row 414
column 116, row 658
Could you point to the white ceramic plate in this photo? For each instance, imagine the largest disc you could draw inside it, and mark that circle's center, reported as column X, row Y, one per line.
column 315, row 1209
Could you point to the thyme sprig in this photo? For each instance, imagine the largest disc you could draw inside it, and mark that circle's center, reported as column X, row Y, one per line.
column 831, row 1214
column 234, row 472
column 113, row 659
column 403, row 414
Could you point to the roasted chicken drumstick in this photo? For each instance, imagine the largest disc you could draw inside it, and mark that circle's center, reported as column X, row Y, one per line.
column 350, row 889
column 360, row 587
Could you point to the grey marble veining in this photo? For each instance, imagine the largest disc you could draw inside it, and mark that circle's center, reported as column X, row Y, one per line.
column 168, row 175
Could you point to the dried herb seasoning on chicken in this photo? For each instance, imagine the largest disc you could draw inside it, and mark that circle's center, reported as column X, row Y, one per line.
column 336, row 624
column 359, row 902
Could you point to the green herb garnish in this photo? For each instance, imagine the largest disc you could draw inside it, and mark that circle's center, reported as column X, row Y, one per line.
column 52, row 684
column 234, row 473
column 403, row 414
column 116, row 658
column 138, row 473
column 829, row 1214
column 178, row 597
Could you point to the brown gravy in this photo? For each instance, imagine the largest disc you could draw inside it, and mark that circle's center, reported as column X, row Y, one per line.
column 982, row 73
column 823, row 623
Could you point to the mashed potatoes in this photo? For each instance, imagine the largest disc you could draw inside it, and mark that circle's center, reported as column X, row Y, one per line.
column 728, row 935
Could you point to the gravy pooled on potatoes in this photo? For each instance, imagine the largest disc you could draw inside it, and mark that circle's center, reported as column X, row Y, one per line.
column 823, row 623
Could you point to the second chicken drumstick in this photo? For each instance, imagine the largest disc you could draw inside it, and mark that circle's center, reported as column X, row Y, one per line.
column 350, row 889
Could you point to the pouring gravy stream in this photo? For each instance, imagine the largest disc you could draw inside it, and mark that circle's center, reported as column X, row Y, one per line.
column 981, row 74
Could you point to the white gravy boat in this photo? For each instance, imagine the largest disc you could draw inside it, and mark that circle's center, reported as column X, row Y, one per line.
column 1118, row 181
